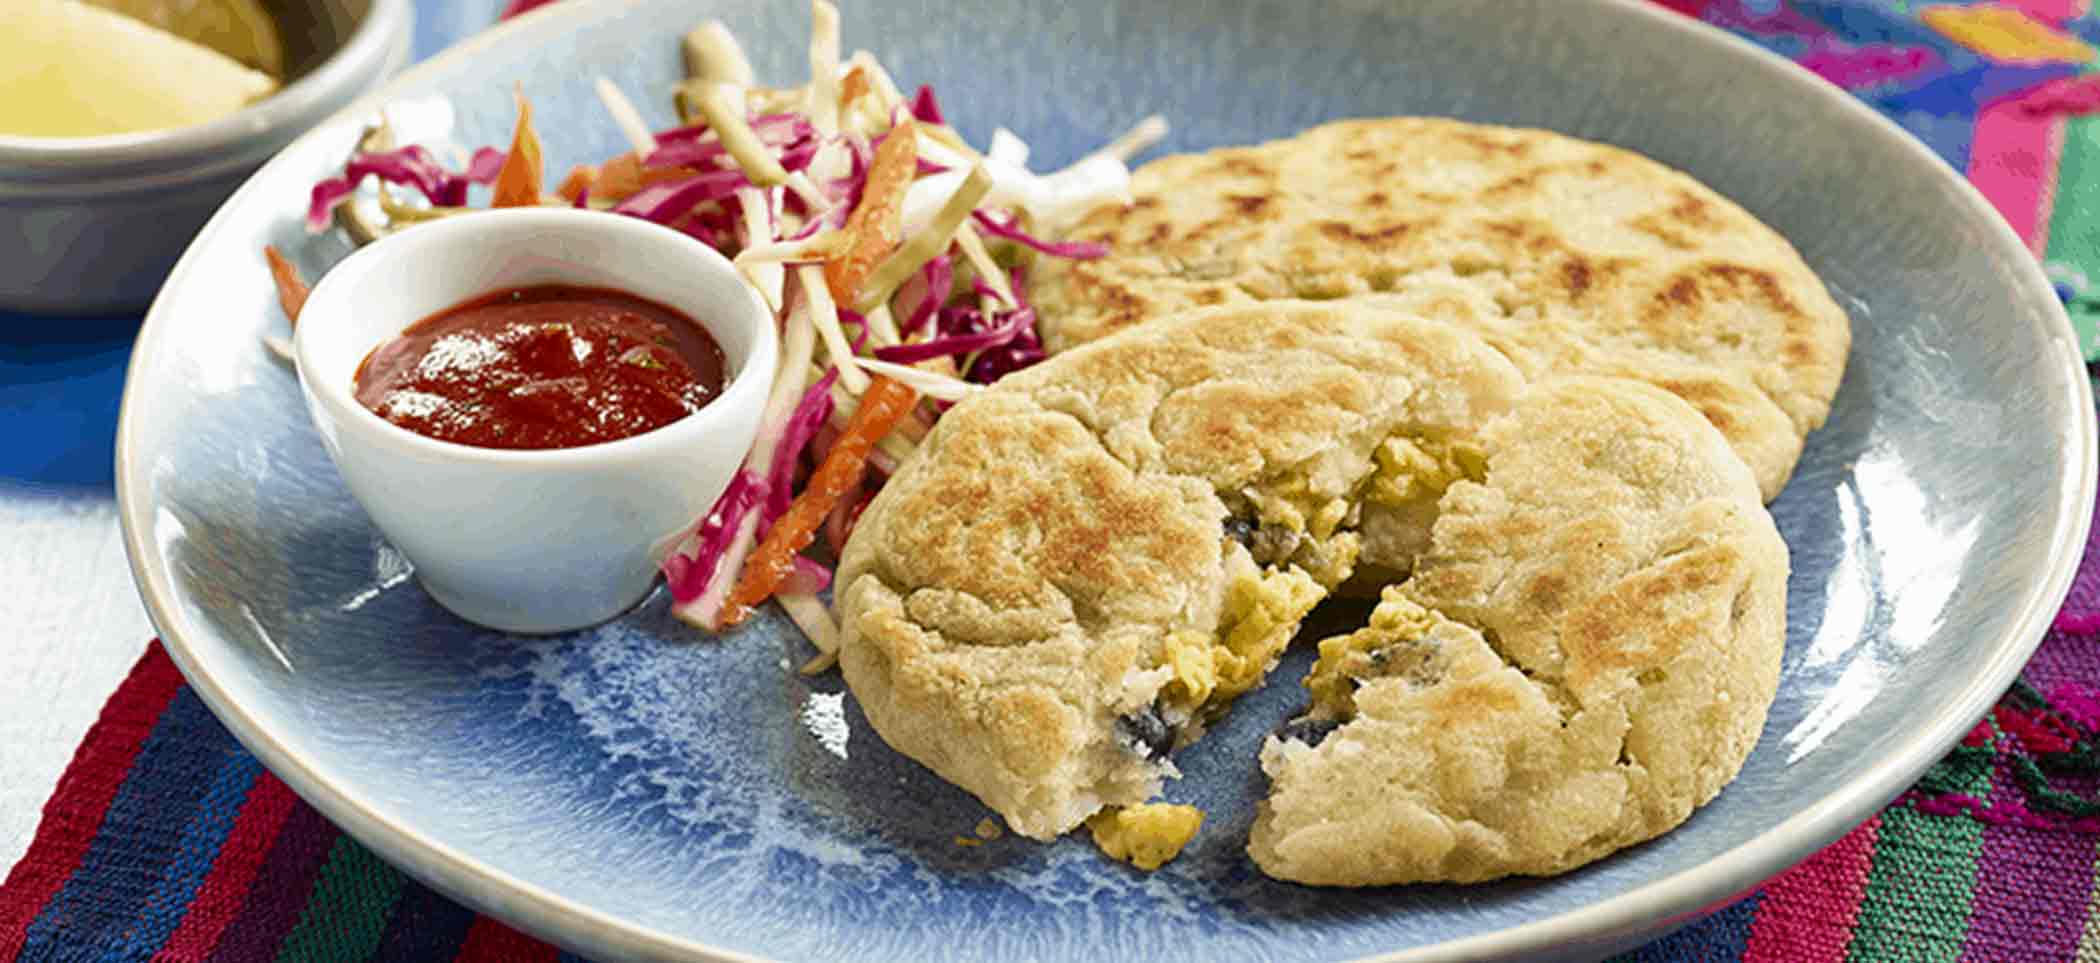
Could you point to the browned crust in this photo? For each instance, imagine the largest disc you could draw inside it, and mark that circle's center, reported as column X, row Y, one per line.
column 1590, row 259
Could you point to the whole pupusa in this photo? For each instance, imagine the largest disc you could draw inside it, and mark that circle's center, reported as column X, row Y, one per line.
column 1568, row 256
column 1086, row 564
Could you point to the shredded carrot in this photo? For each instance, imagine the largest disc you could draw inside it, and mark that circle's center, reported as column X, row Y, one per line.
column 773, row 561
column 518, row 181
column 876, row 225
column 854, row 86
column 622, row 176
column 291, row 288
column 579, row 179
column 619, row 177
column 839, row 523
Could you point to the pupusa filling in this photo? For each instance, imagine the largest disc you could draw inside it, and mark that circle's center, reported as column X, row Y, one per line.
column 1287, row 551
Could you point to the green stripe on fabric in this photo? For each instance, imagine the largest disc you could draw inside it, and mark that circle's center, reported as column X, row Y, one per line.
column 1966, row 771
column 1923, row 881
column 1918, row 893
column 2074, row 225
column 347, row 913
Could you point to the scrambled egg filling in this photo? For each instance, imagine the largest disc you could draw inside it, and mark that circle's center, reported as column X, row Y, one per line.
column 1298, row 553
column 1146, row 836
column 1194, row 659
column 1329, row 561
column 1304, row 552
column 1291, row 504
column 1415, row 469
column 1396, row 642
column 1302, row 548
column 1262, row 610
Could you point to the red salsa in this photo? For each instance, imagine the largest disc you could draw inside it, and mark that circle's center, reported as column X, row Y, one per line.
column 543, row 367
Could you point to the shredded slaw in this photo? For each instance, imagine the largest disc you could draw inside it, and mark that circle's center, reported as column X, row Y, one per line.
column 917, row 284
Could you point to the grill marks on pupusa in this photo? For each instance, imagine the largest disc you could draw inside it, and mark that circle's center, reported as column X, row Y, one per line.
column 1569, row 256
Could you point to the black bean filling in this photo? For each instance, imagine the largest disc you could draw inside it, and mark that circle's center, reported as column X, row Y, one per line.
column 1269, row 546
column 1374, row 666
column 1306, row 730
column 1148, row 731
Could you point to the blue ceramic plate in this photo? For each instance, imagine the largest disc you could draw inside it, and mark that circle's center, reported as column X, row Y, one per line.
column 643, row 791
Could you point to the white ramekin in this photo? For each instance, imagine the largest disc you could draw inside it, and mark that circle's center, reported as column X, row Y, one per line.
column 532, row 541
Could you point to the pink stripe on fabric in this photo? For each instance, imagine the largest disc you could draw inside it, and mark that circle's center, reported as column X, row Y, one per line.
column 2014, row 156
column 2075, row 703
column 1808, row 913
column 2013, row 161
column 2053, row 10
column 2080, row 623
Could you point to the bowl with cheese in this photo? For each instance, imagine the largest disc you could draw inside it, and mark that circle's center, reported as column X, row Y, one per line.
column 127, row 123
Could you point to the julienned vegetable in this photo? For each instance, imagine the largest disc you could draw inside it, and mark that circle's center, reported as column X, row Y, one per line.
column 291, row 288
column 891, row 251
column 518, row 180
column 411, row 166
column 876, row 224
column 1009, row 230
column 886, row 401
column 927, row 244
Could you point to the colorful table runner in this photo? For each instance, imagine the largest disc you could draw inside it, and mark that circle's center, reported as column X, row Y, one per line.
column 166, row 841
column 2008, row 92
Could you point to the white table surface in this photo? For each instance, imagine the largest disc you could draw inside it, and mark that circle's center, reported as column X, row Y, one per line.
column 70, row 626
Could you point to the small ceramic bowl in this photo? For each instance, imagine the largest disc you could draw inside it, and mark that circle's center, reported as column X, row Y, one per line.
column 93, row 224
column 532, row 541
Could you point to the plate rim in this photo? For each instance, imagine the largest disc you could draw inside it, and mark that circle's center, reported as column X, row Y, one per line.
column 1673, row 900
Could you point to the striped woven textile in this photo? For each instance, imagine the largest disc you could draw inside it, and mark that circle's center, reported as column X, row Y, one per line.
column 166, row 841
